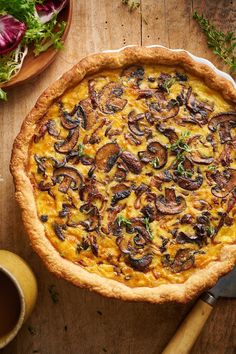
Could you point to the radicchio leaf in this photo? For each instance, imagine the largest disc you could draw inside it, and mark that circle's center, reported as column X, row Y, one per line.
column 11, row 33
column 49, row 8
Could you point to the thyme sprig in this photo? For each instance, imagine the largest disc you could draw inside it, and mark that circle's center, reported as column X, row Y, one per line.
column 222, row 44
column 132, row 4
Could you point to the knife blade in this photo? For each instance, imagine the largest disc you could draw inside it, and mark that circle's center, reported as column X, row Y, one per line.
column 226, row 286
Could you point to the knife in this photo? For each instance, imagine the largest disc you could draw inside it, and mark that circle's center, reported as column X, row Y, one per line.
column 192, row 325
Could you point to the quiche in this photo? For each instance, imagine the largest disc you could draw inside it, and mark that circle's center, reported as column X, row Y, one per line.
column 125, row 171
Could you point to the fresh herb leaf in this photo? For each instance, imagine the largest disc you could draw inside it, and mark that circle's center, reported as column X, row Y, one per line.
column 168, row 83
column 32, row 330
column 54, row 294
column 155, row 162
column 81, row 150
column 148, row 227
column 3, row 95
column 181, row 170
column 222, row 44
column 210, row 231
column 180, row 145
column 121, row 220
column 132, row 4
column 212, row 168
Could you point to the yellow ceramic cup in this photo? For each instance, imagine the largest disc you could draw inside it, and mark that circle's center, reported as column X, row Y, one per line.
column 24, row 281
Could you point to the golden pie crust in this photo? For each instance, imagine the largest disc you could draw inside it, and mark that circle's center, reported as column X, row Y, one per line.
column 178, row 288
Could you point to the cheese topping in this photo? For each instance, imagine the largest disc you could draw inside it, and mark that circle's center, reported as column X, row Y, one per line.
column 134, row 174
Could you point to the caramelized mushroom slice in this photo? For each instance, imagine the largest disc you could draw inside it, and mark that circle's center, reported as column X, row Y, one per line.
column 66, row 118
column 195, row 155
column 168, row 132
column 88, row 115
column 190, row 184
column 109, row 98
column 170, row 204
column 184, row 260
column 92, row 93
column 65, row 146
column 106, row 156
column 70, row 175
column 155, row 152
column 226, row 182
column 226, row 121
column 163, row 110
column 140, row 264
column 197, row 107
column 94, row 221
column 134, row 72
column 133, row 123
column 120, row 191
column 132, row 162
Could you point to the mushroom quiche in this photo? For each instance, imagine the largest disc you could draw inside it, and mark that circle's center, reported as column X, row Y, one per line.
column 126, row 174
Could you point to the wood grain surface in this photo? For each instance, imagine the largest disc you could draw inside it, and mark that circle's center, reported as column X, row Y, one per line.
column 82, row 322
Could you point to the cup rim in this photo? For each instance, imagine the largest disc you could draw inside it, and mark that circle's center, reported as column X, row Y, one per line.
column 8, row 337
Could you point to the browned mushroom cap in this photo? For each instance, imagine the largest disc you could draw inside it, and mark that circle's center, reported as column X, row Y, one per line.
column 170, row 204
column 196, row 106
column 132, row 162
column 226, row 121
column 94, row 221
column 225, row 157
column 124, row 245
column 65, row 146
column 109, row 100
column 190, row 184
column 92, row 93
column 70, row 175
column 67, row 120
column 140, row 264
column 168, row 132
column 106, row 156
column 195, row 155
column 184, row 260
column 134, row 71
column 155, row 152
column 133, row 123
column 88, row 115
column 120, row 191
column 226, row 182
column 163, row 110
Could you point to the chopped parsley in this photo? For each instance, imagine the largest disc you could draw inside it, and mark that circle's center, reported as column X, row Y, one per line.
column 148, row 227
column 155, row 162
column 212, row 168
column 168, row 83
column 122, row 221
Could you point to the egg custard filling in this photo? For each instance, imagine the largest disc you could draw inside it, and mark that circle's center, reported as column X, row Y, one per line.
column 134, row 174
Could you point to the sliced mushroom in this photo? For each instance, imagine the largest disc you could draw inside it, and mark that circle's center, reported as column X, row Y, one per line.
column 120, row 191
column 226, row 182
column 140, row 264
column 109, row 99
column 225, row 157
column 67, row 120
column 106, row 156
column 168, row 132
column 133, row 123
column 58, row 229
column 198, row 107
column 134, row 72
column 220, row 118
column 163, row 110
column 183, row 260
column 190, row 184
column 94, row 221
column 88, row 115
column 132, row 162
column 183, row 238
column 170, row 204
column 92, row 93
column 70, row 176
column 65, row 146
column 155, row 152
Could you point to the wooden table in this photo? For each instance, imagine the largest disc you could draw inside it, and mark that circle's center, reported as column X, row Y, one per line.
column 83, row 322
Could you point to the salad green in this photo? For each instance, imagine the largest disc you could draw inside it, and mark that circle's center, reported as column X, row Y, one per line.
column 39, row 34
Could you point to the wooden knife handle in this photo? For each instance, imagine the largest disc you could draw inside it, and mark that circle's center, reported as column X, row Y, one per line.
column 191, row 327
